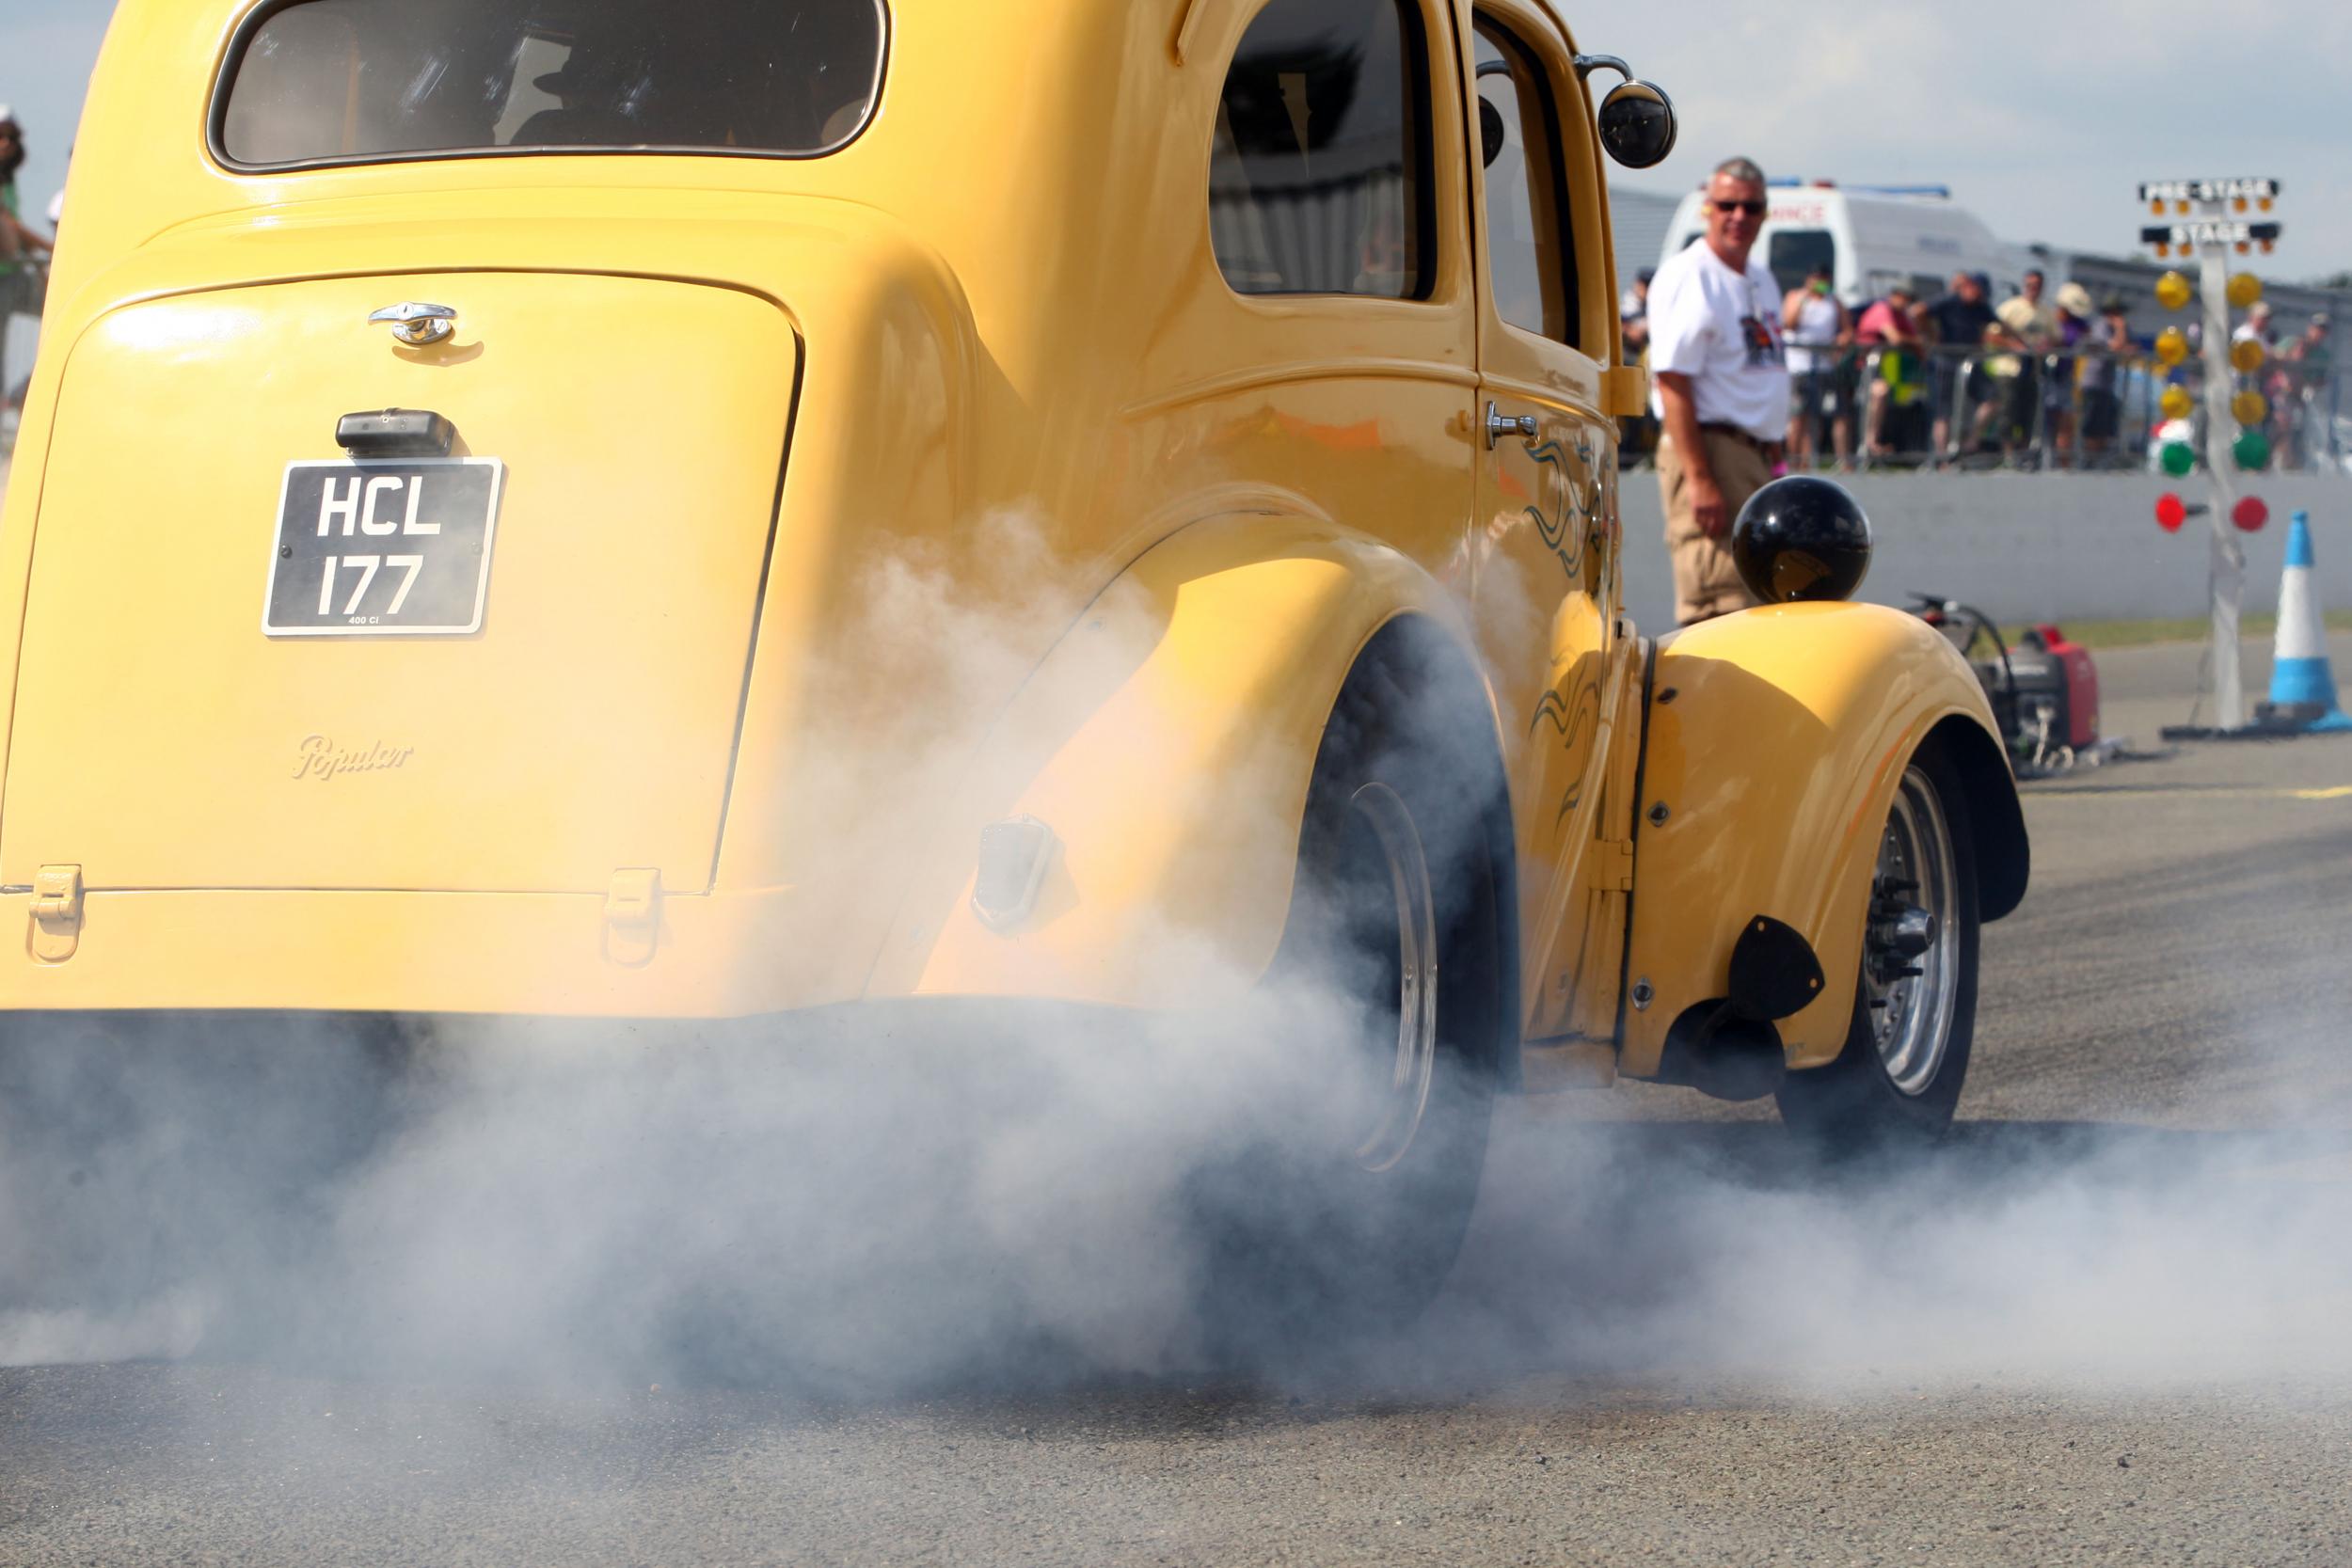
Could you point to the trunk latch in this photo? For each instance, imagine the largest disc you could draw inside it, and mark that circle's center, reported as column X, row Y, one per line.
column 633, row 917
column 57, row 913
column 417, row 324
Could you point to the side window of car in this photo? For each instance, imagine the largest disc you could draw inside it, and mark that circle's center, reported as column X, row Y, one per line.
column 1530, row 260
column 1319, row 179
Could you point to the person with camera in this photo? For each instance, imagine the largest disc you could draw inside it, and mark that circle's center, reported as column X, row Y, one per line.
column 22, row 246
column 1818, row 333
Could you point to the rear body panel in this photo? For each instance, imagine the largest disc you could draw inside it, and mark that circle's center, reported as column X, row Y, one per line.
column 589, row 725
column 543, row 816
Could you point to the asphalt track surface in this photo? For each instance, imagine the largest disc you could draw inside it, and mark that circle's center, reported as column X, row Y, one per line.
column 2103, row 1328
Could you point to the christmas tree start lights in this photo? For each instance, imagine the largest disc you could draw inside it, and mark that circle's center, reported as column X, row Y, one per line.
column 2209, row 222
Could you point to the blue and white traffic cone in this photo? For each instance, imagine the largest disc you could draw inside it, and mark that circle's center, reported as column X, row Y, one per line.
column 2302, row 684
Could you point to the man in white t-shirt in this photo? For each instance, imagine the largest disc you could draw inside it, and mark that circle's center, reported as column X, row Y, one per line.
column 1721, row 395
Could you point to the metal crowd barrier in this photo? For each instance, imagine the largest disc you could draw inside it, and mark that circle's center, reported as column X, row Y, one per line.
column 1959, row 407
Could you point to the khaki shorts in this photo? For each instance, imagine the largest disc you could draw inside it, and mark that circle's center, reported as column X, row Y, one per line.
column 1707, row 584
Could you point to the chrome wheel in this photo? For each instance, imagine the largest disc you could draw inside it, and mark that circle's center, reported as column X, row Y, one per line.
column 1340, row 1208
column 1414, row 977
column 1911, row 955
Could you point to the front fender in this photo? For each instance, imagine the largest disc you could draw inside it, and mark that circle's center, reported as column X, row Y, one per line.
column 1168, row 742
column 1775, row 740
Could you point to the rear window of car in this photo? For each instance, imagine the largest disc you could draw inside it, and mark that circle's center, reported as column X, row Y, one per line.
column 322, row 82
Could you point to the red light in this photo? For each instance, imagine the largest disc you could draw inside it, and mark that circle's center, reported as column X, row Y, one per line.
column 2172, row 512
column 2249, row 513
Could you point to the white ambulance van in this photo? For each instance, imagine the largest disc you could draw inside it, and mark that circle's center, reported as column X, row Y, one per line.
column 1872, row 236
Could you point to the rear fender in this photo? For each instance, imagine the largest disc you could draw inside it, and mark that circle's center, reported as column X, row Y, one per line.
column 1169, row 743
column 1775, row 741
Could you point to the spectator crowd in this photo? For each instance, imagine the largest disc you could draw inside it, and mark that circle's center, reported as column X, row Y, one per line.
column 24, row 254
column 2047, row 378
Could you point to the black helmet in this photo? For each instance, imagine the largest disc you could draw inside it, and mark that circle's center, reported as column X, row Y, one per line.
column 1802, row 538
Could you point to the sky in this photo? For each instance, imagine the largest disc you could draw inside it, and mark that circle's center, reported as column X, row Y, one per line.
column 2043, row 116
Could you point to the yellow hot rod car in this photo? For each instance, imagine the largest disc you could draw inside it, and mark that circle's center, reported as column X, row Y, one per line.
column 605, row 509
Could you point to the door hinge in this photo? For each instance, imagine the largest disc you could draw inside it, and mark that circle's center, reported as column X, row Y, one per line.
column 1625, row 391
column 57, row 913
column 1612, row 863
column 633, row 917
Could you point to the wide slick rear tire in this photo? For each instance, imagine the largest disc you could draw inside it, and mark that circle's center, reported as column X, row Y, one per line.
column 1345, row 1215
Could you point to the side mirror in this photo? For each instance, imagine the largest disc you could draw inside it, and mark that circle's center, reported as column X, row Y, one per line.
column 1491, row 136
column 1802, row 538
column 1637, row 124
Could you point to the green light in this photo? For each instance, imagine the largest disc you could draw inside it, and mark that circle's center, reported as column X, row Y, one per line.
column 2252, row 449
column 2177, row 459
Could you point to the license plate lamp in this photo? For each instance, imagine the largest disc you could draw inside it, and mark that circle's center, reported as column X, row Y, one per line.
column 396, row 432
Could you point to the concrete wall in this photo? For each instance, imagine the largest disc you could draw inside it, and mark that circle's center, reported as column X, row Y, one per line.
column 22, row 338
column 2037, row 547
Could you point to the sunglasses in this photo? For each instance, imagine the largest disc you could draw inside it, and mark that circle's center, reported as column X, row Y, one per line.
column 1753, row 209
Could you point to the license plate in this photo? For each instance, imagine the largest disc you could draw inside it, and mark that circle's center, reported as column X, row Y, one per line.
column 395, row 548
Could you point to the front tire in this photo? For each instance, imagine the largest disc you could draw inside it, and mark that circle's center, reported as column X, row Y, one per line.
column 1907, row 1049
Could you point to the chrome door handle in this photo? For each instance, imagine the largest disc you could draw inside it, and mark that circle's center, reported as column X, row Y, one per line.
column 417, row 325
column 1500, row 424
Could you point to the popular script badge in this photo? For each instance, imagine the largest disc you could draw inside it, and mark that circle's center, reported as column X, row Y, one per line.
column 321, row 759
